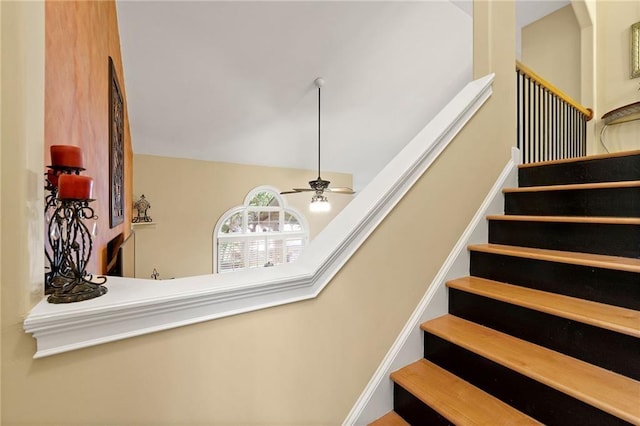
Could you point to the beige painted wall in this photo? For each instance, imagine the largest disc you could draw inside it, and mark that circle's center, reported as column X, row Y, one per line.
column 21, row 193
column 615, row 87
column 0, row 211
column 584, row 11
column 188, row 197
column 551, row 47
column 303, row 363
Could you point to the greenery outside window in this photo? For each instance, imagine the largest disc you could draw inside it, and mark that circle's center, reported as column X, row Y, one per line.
column 262, row 232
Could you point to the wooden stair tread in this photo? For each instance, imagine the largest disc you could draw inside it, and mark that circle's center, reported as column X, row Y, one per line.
column 390, row 419
column 584, row 259
column 575, row 186
column 614, row 318
column 449, row 395
column 569, row 219
column 611, row 392
column 584, row 158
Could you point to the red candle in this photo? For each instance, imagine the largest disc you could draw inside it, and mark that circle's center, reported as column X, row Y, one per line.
column 52, row 177
column 75, row 187
column 66, row 156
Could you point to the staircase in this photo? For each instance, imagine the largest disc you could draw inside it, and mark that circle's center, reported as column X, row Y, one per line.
column 546, row 329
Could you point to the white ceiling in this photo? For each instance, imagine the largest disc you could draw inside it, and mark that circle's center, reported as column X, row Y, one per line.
column 528, row 11
column 232, row 81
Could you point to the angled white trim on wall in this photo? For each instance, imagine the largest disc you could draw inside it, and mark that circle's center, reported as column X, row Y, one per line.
column 134, row 307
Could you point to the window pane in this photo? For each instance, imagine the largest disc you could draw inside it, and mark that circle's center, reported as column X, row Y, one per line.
column 230, row 255
column 257, row 255
column 263, row 221
column 233, row 224
column 264, row 198
column 265, row 252
column 274, row 253
column 291, row 223
column 293, row 248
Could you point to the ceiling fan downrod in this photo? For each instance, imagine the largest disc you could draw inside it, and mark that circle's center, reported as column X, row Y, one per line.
column 319, row 82
column 319, row 185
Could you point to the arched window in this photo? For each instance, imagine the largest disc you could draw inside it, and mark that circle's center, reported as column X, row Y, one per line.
column 262, row 232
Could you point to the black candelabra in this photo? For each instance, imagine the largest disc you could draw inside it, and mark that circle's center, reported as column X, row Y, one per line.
column 70, row 242
column 53, row 251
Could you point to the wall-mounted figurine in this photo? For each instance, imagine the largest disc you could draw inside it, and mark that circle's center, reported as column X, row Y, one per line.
column 142, row 205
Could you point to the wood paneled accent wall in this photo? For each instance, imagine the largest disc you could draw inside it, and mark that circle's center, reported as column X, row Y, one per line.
column 80, row 37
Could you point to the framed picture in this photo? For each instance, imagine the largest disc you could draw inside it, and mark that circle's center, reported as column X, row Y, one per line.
column 116, row 148
column 635, row 50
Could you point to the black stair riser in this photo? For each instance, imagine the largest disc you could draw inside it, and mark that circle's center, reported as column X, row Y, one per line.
column 414, row 411
column 611, row 202
column 614, row 351
column 597, row 238
column 613, row 287
column 539, row 401
column 591, row 171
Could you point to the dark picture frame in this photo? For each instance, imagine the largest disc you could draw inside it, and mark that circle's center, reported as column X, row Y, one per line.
column 116, row 149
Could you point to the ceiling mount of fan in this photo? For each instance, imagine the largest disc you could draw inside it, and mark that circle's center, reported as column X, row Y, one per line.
column 319, row 185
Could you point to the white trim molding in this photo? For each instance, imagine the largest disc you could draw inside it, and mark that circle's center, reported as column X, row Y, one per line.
column 377, row 397
column 134, row 307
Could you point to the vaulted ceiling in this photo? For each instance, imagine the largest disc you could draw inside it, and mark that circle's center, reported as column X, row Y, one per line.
column 233, row 81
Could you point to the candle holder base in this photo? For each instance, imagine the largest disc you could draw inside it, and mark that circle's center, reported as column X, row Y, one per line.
column 76, row 290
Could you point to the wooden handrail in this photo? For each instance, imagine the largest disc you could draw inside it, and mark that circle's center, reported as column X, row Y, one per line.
column 587, row 112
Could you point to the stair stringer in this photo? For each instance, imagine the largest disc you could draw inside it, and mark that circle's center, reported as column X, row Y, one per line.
column 377, row 397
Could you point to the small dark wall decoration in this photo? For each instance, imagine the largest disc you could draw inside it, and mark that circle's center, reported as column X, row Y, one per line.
column 116, row 148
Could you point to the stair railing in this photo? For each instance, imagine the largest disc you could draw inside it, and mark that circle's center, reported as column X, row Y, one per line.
column 551, row 125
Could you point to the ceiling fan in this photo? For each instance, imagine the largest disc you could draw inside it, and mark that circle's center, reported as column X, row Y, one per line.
column 319, row 201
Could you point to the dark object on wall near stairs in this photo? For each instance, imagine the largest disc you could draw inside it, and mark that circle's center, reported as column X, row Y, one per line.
column 547, row 327
column 142, row 205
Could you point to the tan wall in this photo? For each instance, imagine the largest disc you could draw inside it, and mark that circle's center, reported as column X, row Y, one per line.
column 303, row 363
column 21, row 193
column 188, row 197
column 0, row 211
column 615, row 87
column 80, row 37
column 584, row 11
column 551, row 46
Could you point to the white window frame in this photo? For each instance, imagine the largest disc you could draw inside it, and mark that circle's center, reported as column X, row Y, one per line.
column 247, row 237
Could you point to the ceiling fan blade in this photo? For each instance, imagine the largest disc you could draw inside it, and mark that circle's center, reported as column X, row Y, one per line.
column 341, row 190
column 296, row 190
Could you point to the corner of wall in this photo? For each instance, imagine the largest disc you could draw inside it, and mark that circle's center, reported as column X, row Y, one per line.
column 0, row 211
column 21, row 196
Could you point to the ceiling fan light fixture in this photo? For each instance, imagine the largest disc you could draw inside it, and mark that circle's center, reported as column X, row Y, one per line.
column 319, row 204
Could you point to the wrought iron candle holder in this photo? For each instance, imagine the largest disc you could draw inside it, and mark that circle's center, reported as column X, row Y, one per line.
column 70, row 244
column 69, row 233
column 53, row 251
